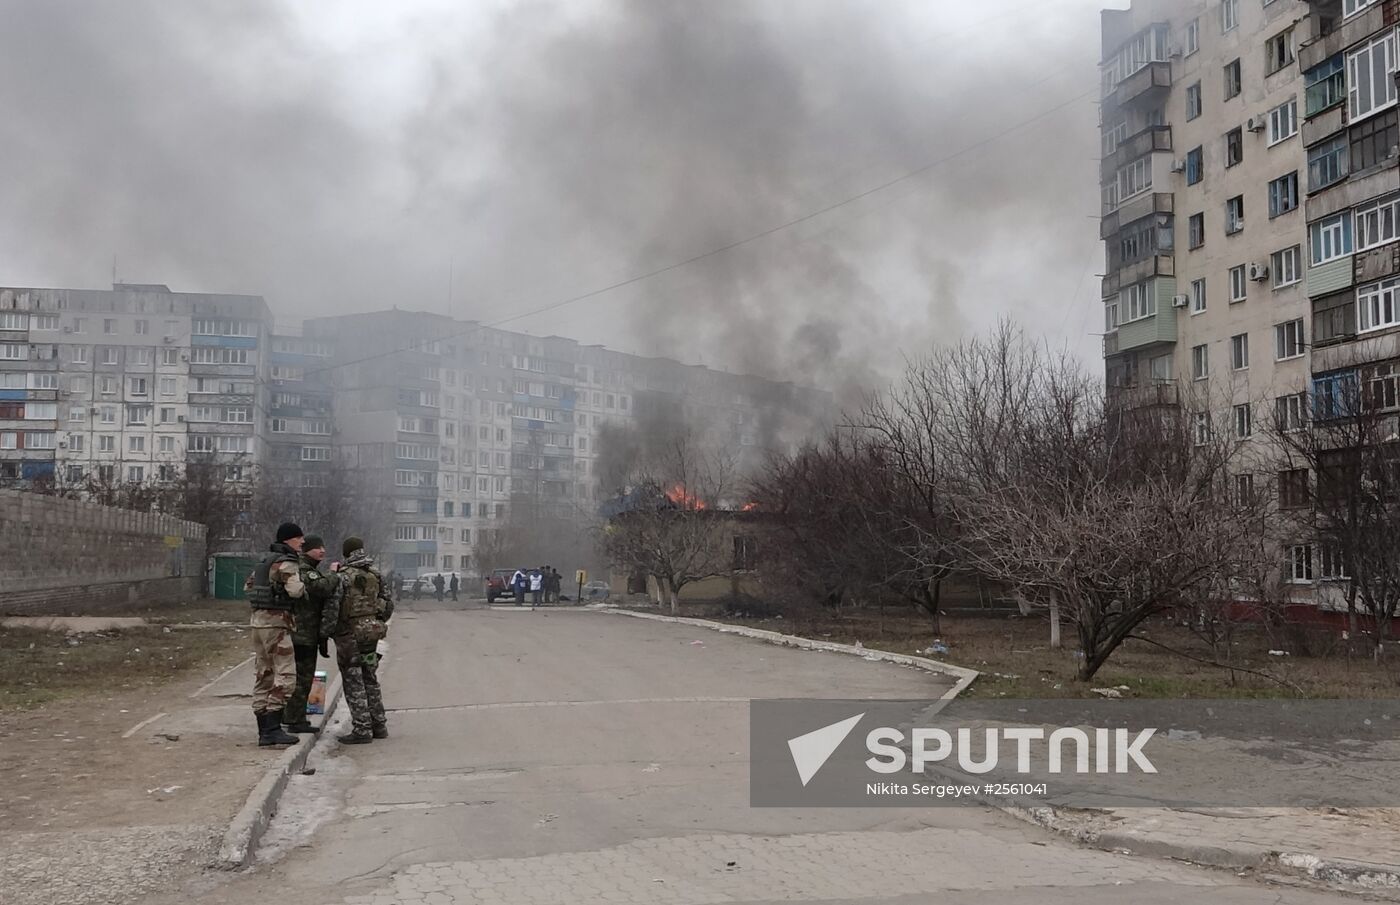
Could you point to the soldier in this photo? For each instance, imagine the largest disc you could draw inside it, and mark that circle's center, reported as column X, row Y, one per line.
column 306, row 636
column 357, row 625
column 271, row 589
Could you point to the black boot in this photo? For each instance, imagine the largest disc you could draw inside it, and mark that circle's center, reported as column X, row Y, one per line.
column 270, row 734
column 380, row 731
column 302, row 728
column 355, row 738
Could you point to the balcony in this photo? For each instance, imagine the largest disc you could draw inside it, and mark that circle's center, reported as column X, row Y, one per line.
column 1162, row 265
column 1325, row 279
column 1150, row 83
column 1358, row 350
column 1149, row 140
column 1152, row 394
column 1345, row 33
column 1135, row 209
column 1350, row 192
column 1159, row 329
column 1324, row 124
column 1377, row 263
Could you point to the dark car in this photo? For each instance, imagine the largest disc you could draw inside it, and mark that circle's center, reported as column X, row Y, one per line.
column 498, row 584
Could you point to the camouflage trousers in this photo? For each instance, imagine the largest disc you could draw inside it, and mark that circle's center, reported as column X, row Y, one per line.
column 274, row 661
column 359, row 681
column 295, row 711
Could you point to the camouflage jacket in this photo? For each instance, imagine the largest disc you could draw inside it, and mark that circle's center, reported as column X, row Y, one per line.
column 309, row 610
column 332, row 623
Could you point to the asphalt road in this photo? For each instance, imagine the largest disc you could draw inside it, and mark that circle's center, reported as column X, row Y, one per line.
column 577, row 757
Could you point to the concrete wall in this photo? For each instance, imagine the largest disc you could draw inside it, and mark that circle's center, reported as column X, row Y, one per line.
column 69, row 557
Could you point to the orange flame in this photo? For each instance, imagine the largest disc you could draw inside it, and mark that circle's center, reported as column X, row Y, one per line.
column 749, row 507
column 684, row 499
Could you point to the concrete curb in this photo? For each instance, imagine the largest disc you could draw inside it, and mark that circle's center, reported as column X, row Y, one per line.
column 241, row 837
column 963, row 676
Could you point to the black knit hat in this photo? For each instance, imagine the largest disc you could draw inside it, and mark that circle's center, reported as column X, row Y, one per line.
column 351, row 545
column 312, row 542
column 286, row 531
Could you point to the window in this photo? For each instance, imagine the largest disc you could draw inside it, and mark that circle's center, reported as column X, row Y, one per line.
column 1334, row 566
column 1293, row 488
column 109, row 325
column 44, row 322
column 43, row 381
column 167, row 386
column 80, row 355
column 9, row 439
column 1288, row 410
column 202, row 443
column 1201, row 428
column 1383, row 387
column 14, row 320
column 1376, row 223
column 79, row 325
column 136, row 386
column 14, row 352
column 77, row 413
column 1232, row 79
column 1298, row 567
column 210, row 355
column 1286, row 266
column 1195, row 165
column 1192, row 40
column 138, row 414
column 1330, row 238
column 1244, row 421
column 1200, row 362
column 1135, row 178
column 1239, row 284
column 1137, row 302
column 1327, row 163
column 109, row 414
column 1234, row 215
column 1198, row 304
column 109, row 355
column 106, row 443
column 143, row 327
column 1234, row 147
column 1326, row 86
column 75, row 443
column 136, row 443
column 169, row 356
column 1377, row 306
column 1196, row 230
column 238, row 414
column 315, row 453
column 1193, row 101
column 1229, row 15
column 1352, row 7
column 107, row 386
column 207, row 327
column 40, row 439
column 1373, row 142
column 1239, row 351
column 1371, row 77
column 167, row 444
column 41, row 411
column 1278, row 51
column 167, row 414
column 1283, row 194
column 166, row 474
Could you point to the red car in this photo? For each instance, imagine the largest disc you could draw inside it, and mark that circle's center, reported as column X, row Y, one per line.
column 498, row 584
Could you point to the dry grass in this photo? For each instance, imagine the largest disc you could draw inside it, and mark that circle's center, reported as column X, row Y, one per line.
column 1015, row 659
column 45, row 666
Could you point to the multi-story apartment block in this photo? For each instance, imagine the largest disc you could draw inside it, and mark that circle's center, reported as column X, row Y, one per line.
column 127, row 385
column 464, row 425
column 1251, row 211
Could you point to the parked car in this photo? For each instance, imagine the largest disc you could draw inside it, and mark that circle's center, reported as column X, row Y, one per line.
column 596, row 590
column 498, row 584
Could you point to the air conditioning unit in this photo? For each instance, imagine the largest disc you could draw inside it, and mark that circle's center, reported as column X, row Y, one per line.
column 1178, row 166
column 180, row 418
column 168, row 339
column 1181, row 301
column 1256, row 124
column 67, row 329
column 1258, row 271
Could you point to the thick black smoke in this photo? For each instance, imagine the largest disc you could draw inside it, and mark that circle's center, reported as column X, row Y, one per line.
column 557, row 147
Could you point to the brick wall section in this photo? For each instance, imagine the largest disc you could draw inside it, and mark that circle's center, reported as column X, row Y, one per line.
column 62, row 556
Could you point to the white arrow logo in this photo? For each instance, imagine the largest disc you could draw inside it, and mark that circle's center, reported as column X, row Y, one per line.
column 810, row 752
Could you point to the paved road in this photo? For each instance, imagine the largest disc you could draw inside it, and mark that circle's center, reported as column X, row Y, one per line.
column 576, row 757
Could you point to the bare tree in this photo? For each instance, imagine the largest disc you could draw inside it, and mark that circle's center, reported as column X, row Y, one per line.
column 675, row 526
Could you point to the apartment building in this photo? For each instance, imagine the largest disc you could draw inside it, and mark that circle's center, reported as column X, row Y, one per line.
column 1251, row 203
column 462, row 425
column 126, row 385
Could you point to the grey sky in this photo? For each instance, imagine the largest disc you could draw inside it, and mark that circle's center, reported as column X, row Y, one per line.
column 338, row 157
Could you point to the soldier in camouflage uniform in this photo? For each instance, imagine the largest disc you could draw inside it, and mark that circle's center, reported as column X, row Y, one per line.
column 271, row 590
column 357, row 624
column 306, row 636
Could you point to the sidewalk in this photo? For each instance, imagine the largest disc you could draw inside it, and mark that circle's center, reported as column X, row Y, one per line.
column 1356, row 850
column 109, row 797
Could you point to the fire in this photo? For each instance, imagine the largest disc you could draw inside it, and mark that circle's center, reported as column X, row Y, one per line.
column 749, row 507
column 684, row 499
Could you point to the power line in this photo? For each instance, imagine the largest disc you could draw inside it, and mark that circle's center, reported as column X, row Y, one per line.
column 754, row 237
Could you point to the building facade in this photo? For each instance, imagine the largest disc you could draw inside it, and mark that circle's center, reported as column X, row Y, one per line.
column 1251, row 212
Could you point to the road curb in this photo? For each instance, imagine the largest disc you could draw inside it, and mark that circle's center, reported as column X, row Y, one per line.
column 241, row 837
column 962, row 675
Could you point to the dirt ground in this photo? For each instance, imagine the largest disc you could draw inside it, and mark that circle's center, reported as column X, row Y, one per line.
column 97, row 803
column 1016, row 661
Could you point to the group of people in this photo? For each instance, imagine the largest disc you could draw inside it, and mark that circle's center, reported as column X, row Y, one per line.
column 297, row 610
column 542, row 584
column 451, row 586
